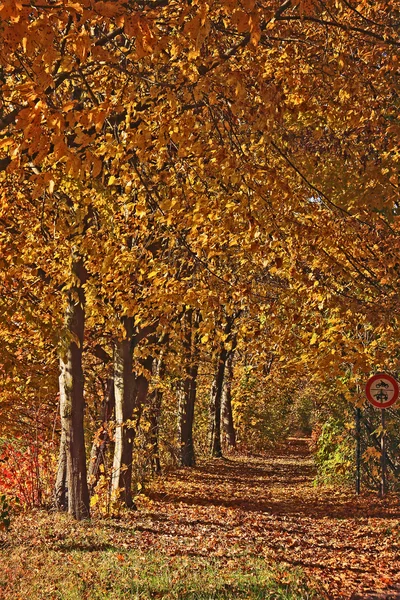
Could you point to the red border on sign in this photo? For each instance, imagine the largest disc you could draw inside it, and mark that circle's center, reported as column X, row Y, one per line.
column 370, row 397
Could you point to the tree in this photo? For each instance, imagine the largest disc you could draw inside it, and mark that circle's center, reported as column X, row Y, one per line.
column 222, row 353
column 187, row 386
column 228, row 427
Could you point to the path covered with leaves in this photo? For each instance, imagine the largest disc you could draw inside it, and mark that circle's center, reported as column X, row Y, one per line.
column 242, row 513
column 269, row 506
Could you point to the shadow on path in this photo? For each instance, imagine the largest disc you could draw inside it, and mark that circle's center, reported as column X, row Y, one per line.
column 268, row 505
column 281, row 484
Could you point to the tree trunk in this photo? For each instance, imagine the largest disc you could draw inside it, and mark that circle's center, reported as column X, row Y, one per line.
column 228, row 429
column 124, row 391
column 60, row 492
column 97, row 455
column 130, row 396
column 155, row 400
column 72, row 400
column 215, row 408
column 187, row 388
column 185, row 424
column 216, row 393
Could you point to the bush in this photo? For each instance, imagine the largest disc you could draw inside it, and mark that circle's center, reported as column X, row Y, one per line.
column 27, row 471
column 334, row 455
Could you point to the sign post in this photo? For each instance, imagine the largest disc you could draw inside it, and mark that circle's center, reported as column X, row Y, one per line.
column 383, row 455
column 358, row 451
column 382, row 390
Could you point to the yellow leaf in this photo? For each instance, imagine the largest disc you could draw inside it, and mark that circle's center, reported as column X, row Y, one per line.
column 94, row 500
column 5, row 143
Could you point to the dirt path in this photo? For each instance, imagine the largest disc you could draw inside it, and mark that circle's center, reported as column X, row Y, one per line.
column 268, row 506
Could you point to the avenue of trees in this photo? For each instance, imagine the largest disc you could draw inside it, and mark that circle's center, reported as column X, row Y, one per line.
column 199, row 217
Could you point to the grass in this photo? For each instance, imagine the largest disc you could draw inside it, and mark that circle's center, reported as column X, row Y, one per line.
column 59, row 559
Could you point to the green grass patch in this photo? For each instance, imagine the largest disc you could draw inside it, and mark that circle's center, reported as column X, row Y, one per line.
column 52, row 557
column 109, row 574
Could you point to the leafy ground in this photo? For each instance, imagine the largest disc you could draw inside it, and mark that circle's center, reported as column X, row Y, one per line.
column 238, row 528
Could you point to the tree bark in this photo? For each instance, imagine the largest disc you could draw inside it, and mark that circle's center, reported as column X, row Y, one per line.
column 186, row 396
column 60, row 491
column 72, row 399
column 216, row 393
column 155, row 401
column 130, row 396
column 228, row 429
column 215, row 408
column 121, row 481
column 187, row 389
column 99, row 446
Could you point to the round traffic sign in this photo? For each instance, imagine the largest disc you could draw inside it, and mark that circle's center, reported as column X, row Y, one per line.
column 382, row 390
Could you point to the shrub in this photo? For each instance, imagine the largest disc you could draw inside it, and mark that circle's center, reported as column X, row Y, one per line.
column 27, row 471
column 334, row 455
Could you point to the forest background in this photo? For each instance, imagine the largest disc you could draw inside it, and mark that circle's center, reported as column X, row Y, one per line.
column 199, row 237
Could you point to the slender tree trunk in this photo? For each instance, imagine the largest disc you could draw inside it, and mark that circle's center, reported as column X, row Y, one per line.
column 187, row 389
column 185, row 425
column 215, row 408
column 155, row 401
column 99, row 446
column 61, row 479
column 124, row 391
column 130, row 397
column 228, row 429
column 216, row 394
column 72, row 400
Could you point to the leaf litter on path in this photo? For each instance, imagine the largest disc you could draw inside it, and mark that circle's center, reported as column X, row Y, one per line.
column 268, row 505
